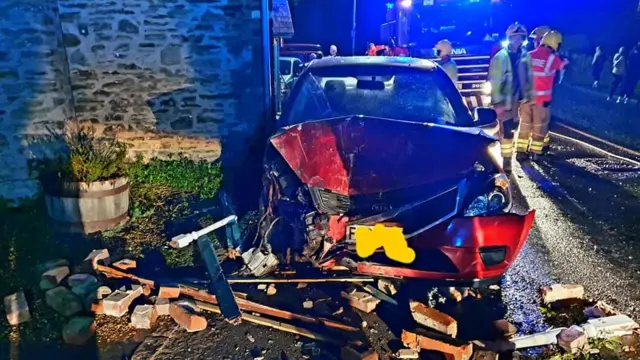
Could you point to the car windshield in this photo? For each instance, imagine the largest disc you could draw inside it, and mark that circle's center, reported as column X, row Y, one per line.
column 285, row 67
column 394, row 92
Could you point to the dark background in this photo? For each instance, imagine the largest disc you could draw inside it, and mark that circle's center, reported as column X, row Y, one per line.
column 610, row 23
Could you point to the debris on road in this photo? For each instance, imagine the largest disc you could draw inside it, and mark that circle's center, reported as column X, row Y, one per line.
column 162, row 306
column 53, row 277
column 125, row 264
column 485, row 355
column 166, row 292
column 406, row 354
column 455, row 294
column 505, row 328
column 433, row 319
column 417, row 342
column 271, row 290
column 93, row 260
column 144, row 316
column 361, row 300
column 559, row 292
column 387, row 287
column 185, row 316
column 308, row 304
column 17, row 308
column 118, row 302
column 573, row 340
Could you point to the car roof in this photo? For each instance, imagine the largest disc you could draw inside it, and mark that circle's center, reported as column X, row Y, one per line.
column 392, row 61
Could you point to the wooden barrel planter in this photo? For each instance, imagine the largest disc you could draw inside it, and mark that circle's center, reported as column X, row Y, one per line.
column 78, row 207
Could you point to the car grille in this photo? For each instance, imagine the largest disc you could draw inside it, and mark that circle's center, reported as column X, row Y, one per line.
column 329, row 202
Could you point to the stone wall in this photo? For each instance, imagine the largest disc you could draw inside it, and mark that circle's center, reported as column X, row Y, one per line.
column 34, row 87
column 167, row 76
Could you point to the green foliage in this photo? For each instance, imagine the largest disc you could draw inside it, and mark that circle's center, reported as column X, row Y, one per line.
column 200, row 178
column 80, row 155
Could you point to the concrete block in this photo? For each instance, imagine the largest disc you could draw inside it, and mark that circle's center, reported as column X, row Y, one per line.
column 79, row 330
column 64, row 301
column 162, row 306
column 573, row 340
column 144, row 316
column 433, row 319
column 53, row 277
column 558, row 292
column 17, row 308
column 117, row 304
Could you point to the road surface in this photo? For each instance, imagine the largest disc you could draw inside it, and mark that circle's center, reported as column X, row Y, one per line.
column 586, row 232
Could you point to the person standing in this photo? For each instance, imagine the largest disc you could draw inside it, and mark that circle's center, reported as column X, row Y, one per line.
column 510, row 75
column 535, row 115
column 633, row 73
column 619, row 71
column 597, row 65
column 537, row 34
column 443, row 51
column 333, row 51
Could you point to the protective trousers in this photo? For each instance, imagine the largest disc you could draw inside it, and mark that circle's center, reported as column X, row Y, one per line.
column 507, row 126
column 534, row 125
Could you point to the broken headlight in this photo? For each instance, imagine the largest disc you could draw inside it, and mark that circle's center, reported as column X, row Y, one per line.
column 495, row 201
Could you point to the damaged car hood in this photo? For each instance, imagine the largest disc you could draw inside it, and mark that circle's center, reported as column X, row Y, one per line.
column 360, row 155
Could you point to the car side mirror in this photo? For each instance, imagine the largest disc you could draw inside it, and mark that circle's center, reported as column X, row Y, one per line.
column 484, row 116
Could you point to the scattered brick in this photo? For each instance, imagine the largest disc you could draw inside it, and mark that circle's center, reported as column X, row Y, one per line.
column 117, row 304
column 162, row 306
column 271, row 290
column 64, row 301
column 17, row 308
column 94, row 258
column 262, row 287
column 348, row 353
column 485, row 355
column 307, row 304
column 97, row 308
column 125, row 264
column 558, row 292
column 406, row 354
column 186, row 317
column 169, row 292
column 144, row 316
column 433, row 319
column 452, row 352
column 79, row 330
column 455, row 294
column 573, row 340
column 387, row 287
column 361, row 300
column 505, row 328
column 53, row 277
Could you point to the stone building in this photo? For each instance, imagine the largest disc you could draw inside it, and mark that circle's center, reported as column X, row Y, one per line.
column 166, row 76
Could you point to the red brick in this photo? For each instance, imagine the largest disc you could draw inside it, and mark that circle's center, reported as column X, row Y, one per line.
column 348, row 353
column 93, row 258
column 169, row 292
column 361, row 300
column 451, row 352
column 186, row 318
column 97, row 308
column 433, row 319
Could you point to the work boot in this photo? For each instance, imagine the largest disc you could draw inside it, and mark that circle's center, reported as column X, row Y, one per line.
column 522, row 156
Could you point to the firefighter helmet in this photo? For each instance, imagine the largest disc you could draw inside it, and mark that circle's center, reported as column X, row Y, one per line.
column 552, row 39
column 539, row 32
column 516, row 29
column 444, row 46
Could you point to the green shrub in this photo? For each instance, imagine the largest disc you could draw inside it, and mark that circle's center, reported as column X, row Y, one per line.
column 81, row 156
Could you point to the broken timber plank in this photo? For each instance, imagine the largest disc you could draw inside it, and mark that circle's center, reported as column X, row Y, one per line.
column 219, row 285
column 247, row 305
column 111, row 272
column 275, row 324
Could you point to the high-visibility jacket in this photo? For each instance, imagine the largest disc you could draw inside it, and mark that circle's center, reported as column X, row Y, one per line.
column 374, row 51
column 545, row 63
column 501, row 78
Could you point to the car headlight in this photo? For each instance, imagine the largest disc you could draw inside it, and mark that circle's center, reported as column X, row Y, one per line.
column 486, row 88
column 496, row 201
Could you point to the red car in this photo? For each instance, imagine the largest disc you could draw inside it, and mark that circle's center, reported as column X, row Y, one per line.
column 387, row 140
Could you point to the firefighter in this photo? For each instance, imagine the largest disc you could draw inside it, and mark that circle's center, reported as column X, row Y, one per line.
column 537, row 34
column 535, row 115
column 373, row 49
column 510, row 76
column 443, row 50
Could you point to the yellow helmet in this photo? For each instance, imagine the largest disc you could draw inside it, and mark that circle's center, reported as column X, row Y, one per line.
column 516, row 29
column 539, row 32
column 552, row 39
column 444, row 46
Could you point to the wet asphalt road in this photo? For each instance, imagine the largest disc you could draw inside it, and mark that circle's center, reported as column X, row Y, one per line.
column 587, row 231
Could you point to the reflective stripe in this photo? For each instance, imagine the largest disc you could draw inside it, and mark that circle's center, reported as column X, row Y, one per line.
column 550, row 60
column 474, row 101
column 543, row 74
column 486, row 100
column 548, row 92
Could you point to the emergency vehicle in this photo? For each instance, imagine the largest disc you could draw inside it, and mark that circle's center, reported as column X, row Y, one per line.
column 474, row 27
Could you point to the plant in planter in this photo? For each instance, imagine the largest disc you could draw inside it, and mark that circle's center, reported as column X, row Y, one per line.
column 84, row 181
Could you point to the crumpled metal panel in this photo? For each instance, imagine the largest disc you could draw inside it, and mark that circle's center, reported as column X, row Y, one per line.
column 364, row 155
